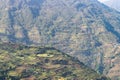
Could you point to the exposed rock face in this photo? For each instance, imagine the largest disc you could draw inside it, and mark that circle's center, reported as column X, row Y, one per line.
column 86, row 29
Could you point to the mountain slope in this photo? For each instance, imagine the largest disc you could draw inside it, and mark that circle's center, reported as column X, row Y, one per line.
column 113, row 4
column 19, row 62
column 85, row 29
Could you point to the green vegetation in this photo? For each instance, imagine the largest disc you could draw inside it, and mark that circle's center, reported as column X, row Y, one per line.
column 19, row 62
column 85, row 29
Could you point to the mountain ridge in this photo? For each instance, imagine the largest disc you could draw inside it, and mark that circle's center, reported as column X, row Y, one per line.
column 20, row 62
column 113, row 4
column 85, row 29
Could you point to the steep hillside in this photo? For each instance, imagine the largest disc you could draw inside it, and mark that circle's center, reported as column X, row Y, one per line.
column 19, row 62
column 113, row 4
column 85, row 29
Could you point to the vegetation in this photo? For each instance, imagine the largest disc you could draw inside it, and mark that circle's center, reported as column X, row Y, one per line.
column 85, row 29
column 19, row 62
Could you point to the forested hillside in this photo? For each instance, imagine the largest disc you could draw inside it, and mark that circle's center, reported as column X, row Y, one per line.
column 20, row 62
column 85, row 29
